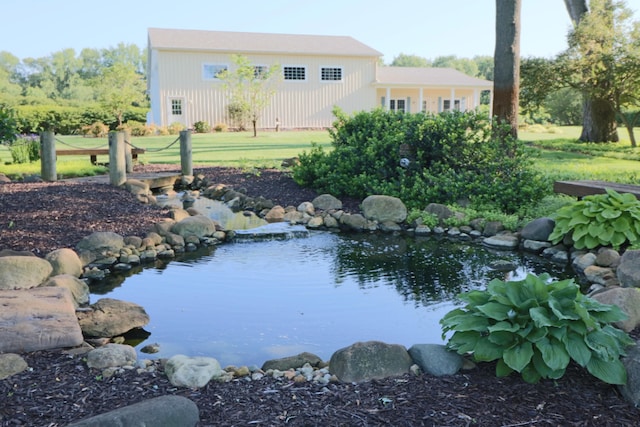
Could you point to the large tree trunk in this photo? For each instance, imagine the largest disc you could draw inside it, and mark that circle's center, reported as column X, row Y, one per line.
column 506, row 82
column 598, row 118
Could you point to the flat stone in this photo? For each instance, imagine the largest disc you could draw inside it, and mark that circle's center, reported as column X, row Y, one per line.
column 38, row 319
column 109, row 317
column 502, row 241
column 11, row 364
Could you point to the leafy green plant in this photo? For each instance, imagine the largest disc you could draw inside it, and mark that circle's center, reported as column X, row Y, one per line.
column 536, row 327
column 25, row 149
column 422, row 217
column 610, row 219
column 201, row 127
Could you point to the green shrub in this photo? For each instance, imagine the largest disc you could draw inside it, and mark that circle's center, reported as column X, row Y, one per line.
column 610, row 219
column 423, row 158
column 221, row 127
column 536, row 328
column 8, row 124
column 136, row 128
column 25, row 149
column 201, row 127
column 96, row 129
column 422, row 217
column 175, row 128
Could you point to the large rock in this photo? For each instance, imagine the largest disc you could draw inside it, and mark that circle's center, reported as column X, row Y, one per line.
column 354, row 222
column 384, row 208
column 198, row 225
column 38, row 319
column 370, row 360
column 110, row 317
column 502, row 241
column 11, row 364
column 65, row 261
column 628, row 299
column 326, row 202
column 23, row 272
column 79, row 289
column 631, row 390
column 165, row 411
column 275, row 214
column 192, row 372
column 435, row 359
column 628, row 270
column 111, row 356
column 292, row 362
column 100, row 244
column 538, row 229
column 442, row 212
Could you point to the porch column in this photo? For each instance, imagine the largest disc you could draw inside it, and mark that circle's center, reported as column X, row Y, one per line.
column 420, row 100
column 452, row 102
column 476, row 98
column 387, row 100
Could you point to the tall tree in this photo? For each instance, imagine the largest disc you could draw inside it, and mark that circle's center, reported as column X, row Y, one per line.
column 507, row 63
column 404, row 60
column 598, row 118
column 603, row 59
column 120, row 87
column 250, row 87
column 467, row 66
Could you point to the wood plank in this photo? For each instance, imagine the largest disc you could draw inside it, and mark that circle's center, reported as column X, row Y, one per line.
column 93, row 151
column 588, row 188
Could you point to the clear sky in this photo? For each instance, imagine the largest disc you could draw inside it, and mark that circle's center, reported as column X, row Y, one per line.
column 427, row 28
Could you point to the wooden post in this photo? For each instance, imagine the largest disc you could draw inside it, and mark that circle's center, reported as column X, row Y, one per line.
column 186, row 157
column 117, row 163
column 48, row 156
column 128, row 157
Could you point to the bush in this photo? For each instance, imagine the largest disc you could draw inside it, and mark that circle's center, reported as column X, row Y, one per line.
column 221, row 127
column 610, row 219
column 175, row 128
column 423, row 158
column 201, row 127
column 536, row 328
column 8, row 125
column 96, row 129
column 25, row 149
column 136, row 128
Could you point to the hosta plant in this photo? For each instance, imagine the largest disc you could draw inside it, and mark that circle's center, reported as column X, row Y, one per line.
column 536, row 327
column 610, row 219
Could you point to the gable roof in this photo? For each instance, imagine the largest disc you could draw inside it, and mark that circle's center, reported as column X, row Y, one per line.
column 241, row 42
column 423, row 76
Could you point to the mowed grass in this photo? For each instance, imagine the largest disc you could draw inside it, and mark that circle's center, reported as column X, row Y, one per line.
column 234, row 149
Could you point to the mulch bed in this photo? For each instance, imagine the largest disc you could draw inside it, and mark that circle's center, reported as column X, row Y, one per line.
column 60, row 388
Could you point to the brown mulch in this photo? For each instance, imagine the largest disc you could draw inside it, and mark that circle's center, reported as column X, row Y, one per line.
column 60, row 388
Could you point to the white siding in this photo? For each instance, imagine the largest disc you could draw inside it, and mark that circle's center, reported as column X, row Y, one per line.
column 297, row 104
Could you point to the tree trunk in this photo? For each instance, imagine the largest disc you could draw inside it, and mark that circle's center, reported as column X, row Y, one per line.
column 506, row 83
column 598, row 118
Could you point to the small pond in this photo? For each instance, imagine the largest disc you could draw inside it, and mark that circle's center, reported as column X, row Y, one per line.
column 244, row 303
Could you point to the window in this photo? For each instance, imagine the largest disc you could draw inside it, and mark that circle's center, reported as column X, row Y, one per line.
column 295, row 73
column 397, row 105
column 260, row 71
column 446, row 104
column 176, row 107
column 331, row 74
column 211, row 71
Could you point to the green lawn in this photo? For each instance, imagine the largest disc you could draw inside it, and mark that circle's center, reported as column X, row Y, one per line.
column 239, row 149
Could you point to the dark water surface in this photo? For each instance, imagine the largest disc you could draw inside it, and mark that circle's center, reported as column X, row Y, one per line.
column 244, row 303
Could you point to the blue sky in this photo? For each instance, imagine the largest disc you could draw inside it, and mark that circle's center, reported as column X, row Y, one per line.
column 427, row 28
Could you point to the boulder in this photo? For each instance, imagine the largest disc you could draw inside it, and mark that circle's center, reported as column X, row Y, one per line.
column 38, row 319
column 292, row 362
column 110, row 317
column 192, row 372
column 538, row 229
column 384, row 208
column 165, row 411
column 354, row 222
column 306, row 207
column 491, row 228
column 275, row 214
column 99, row 245
column 502, row 241
column 628, row 299
column 608, row 257
column 600, row 275
column 198, row 225
column 370, row 360
column 435, row 359
column 628, row 270
column 11, row 364
column 442, row 212
column 326, row 202
column 135, row 186
column 178, row 214
column 631, row 390
column 111, row 356
column 65, row 261
column 23, row 272
column 79, row 289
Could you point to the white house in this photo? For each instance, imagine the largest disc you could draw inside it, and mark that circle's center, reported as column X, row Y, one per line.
column 318, row 73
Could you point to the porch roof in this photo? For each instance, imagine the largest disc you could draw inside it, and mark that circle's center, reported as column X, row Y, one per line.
column 427, row 77
column 265, row 43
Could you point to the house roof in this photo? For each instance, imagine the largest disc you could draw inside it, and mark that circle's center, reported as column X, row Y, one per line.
column 241, row 42
column 419, row 76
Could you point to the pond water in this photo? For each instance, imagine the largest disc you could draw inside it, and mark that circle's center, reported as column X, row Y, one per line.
column 244, row 303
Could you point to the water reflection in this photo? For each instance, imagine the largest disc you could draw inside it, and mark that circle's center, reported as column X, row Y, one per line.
column 244, row 303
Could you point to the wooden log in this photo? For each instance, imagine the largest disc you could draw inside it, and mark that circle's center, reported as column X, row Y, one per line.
column 48, row 156
column 588, row 188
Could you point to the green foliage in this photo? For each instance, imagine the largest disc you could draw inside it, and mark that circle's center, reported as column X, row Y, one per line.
column 175, row 128
column 452, row 156
column 201, row 127
column 536, row 328
column 8, row 125
column 610, row 219
column 422, row 217
column 25, row 149
column 466, row 215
